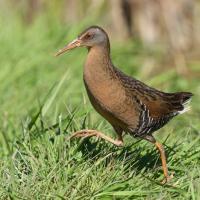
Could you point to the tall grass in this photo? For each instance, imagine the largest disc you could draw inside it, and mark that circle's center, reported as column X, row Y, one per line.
column 43, row 101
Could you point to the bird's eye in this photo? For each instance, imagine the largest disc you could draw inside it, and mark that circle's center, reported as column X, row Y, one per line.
column 88, row 36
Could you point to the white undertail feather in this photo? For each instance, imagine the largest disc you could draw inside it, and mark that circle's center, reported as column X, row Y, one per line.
column 186, row 107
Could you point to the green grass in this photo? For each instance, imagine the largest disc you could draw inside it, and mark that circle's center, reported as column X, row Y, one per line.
column 43, row 101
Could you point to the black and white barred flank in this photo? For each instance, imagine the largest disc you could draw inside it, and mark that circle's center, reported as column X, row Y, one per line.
column 148, row 124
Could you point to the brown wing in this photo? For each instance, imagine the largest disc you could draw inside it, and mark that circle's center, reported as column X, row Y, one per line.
column 158, row 103
column 158, row 107
column 167, row 103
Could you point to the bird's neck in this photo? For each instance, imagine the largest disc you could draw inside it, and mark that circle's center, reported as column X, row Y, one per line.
column 99, row 78
column 98, row 62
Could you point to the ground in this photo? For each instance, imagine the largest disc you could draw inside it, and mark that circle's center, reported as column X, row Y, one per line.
column 43, row 101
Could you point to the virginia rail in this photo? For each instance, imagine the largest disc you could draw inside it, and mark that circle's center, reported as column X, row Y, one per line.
column 127, row 104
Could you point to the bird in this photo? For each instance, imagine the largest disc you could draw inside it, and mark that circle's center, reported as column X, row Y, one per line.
column 129, row 105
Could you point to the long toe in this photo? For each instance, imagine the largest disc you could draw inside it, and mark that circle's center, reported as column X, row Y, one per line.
column 79, row 134
column 83, row 133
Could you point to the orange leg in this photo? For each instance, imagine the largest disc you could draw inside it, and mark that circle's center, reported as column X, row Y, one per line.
column 164, row 163
column 90, row 133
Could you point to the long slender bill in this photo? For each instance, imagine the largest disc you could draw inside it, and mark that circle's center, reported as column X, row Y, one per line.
column 75, row 43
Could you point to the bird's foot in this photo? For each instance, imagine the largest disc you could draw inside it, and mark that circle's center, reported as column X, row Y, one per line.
column 83, row 133
column 167, row 179
column 90, row 133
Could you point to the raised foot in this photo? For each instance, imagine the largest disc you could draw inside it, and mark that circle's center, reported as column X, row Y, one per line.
column 89, row 133
column 83, row 133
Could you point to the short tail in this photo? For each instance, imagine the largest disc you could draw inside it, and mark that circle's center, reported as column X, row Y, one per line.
column 179, row 101
column 185, row 98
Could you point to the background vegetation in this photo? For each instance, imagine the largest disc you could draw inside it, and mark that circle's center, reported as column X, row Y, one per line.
column 43, row 101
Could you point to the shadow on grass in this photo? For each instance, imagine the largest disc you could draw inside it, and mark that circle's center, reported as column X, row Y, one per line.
column 137, row 157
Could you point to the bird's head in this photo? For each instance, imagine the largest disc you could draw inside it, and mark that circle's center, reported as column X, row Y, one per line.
column 92, row 36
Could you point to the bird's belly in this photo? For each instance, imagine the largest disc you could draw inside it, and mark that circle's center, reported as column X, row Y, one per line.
column 110, row 101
